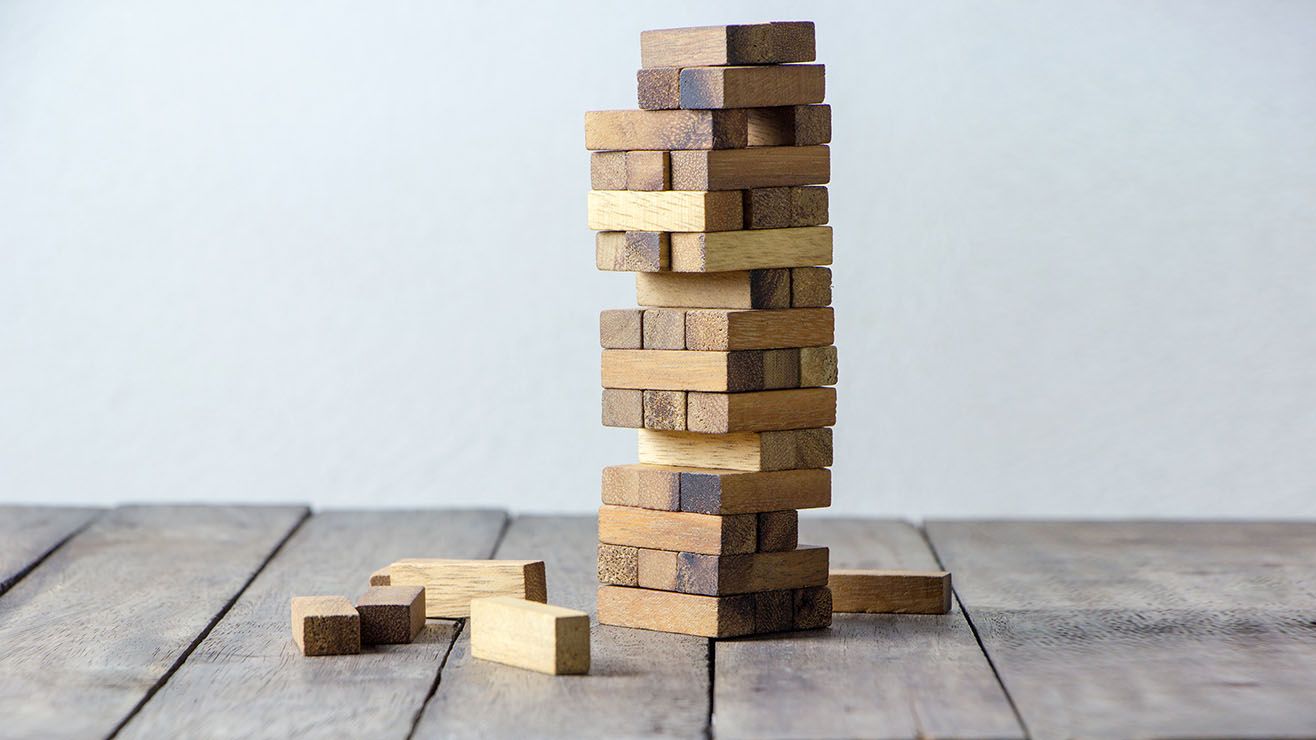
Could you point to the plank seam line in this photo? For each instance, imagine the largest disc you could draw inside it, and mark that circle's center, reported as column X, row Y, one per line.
column 224, row 610
column 712, row 672
column 23, row 572
column 973, row 628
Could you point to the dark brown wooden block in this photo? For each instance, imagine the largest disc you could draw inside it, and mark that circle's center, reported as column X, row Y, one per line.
column 664, row 328
column 712, row 491
column 628, row 130
column 618, row 564
column 768, row 208
column 799, row 125
column 665, row 410
column 391, row 615
column 752, row 87
column 817, row 367
column 716, row 575
column 756, row 167
column 774, row 611
column 326, row 625
column 658, row 88
column 632, row 251
column 809, row 206
column 781, row 369
column 778, row 530
column 621, row 328
column 778, row 42
column 811, row 287
column 644, row 486
column 813, row 608
column 623, row 407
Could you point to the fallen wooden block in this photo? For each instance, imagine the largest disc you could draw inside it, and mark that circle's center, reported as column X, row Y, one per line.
column 391, row 614
column 665, row 410
column 619, row 564
column 325, row 625
column 623, row 407
column 678, row 530
column 740, row 289
column 739, row 329
column 817, row 366
column 658, row 88
column 779, row 450
column 720, row 575
column 667, row 130
column 752, row 87
column 667, row 210
column 715, row 491
column 757, row 167
column 527, row 634
column 679, row 370
column 759, row 411
column 785, row 207
column 664, row 328
column 713, row 616
column 890, row 591
column 451, row 584
column 811, row 286
column 632, row 251
column 756, row 43
column 751, row 249
column 797, row 125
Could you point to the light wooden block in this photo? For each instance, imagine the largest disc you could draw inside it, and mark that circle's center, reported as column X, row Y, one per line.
column 755, row 43
column 391, row 615
column 756, row 167
column 678, row 530
column 644, row 486
column 632, row 251
column 714, row 616
column 817, row 366
column 890, row 591
column 325, row 625
column 621, row 328
column 623, row 407
column 718, row 575
column 751, row 249
column 778, row 530
column 607, row 171
column 784, row 450
column 658, row 88
column 527, row 634
column 740, row 289
column 810, row 287
column 451, row 584
column 736, row 329
column 680, row 370
column 715, row 491
column 668, row 210
column 799, row 125
column 657, row 569
column 752, row 87
column 664, row 130
column 665, row 410
column 664, row 328
column 619, row 564
column 648, row 171
column 762, row 411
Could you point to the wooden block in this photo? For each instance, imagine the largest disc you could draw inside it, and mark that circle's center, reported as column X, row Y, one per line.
column 813, row 608
column 757, row 43
column 785, row 450
column 668, row 210
column 623, row 407
column 619, row 565
column 811, row 287
column 756, row 167
column 677, row 530
column 767, row 208
column 607, row 171
column 762, row 411
column 644, row 486
column 781, row 369
column 778, row 530
column 890, row 591
column 710, row 491
column 733, row 329
column 380, row 578
column 658, row 88
column 752, row 87
column 664, row 328
column 667, row 611
column 774, row 611
column 751, row 249
column 717, row 575
column 391, row 615
column 663, row 130
column 740, row 289
column 809, row 206
column 658, row 569
column 817, row 366
column 632, row 251
column 527, row 634
column 621, row 328
column 451, row 584
column 648, row 171
column 664, row 410
column 673, row 370
column 326, row 625
column 798, row 125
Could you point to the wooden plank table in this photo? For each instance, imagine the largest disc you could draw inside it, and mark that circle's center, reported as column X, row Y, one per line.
column 173, row 622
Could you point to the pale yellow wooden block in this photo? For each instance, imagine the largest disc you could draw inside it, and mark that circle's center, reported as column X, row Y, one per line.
column 527, row 634
column 451, row 584
column 668, row 210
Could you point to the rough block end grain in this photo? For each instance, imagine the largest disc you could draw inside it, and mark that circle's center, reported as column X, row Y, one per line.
column 632, row 251
column 325, row 625
column 623, row 407
column 890, row 591
column 527, row 634
column 658, row 88
column 817, row 367
column 618, row 564
column 391, row 614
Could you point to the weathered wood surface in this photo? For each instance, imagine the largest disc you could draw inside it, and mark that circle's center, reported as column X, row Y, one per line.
column 1144, row 629
column 30, row 533
column 90, row 633
column 887, row 676
column 247, row 678
column 640, row 683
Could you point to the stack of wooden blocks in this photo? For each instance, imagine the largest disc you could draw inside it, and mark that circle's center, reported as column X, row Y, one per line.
column 712, row 194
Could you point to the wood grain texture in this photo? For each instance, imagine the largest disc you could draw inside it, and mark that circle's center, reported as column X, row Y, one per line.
column 621, row 328
column 878, row 591
column 664, row 328
column 888, row 676
column 645, row 486
column 325, row 625
column 780, row 450
column 526, row 634
column 811, row 286
column 785, row 207
column 778, row 531
column 665, row 410
column 632, row 251
column 676, row 370
column 733, row 329
column 677, row 530
column 391, row 614
column 641, row 684
column 1181, row 629
column 657, row 569
column 658, row 88
column 799, row 125
column 817, row 366
column 778, row 42
column 648, row 171
column 718, row 575
column 720, row 413
column 751, row 249
column 741, row 289
column 607, row 171
column 86, row 636
column 752, row 87
column 669, row 210
column 450, row 583
column 623, row 407
column 756, row 167
column 619, row 565
column 246, row 679
column 714, row 490
column 663, row 130
column 712, row 616
column 30, row 533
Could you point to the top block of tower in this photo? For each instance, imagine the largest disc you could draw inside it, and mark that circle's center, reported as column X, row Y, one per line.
column 710, row 46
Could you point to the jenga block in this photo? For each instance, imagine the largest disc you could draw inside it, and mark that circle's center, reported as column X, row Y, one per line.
column 648, row 171
column 809, row 206
column 757, row 167
column 767, row 208
column 660, row 130
column 762, row 411
column 677, row 530
column 786, row 450
column 741, row 289
column 451, row 584
column 817, row 366
column 710, row 491
column 644, row 486
column 326, row 625
column 733, row 329
column 380, row 578
column 751, row 249
column 658, row 88
column 774, row 611
column 811, row 287
column 665, row 410
column 717, row 575
column 752, row 87
column 668, row 210
column 391, row 614
column 673, row 370
column 607, row 171
column 757, row 43
column 623, row 407
column 619, row 565
column 778, row 530
column 658, row 569
column 798, row 125
column 664, row 328
column 527, row 634
column 621, row 328
column 781, row 369
column 632, row 251
column 890, row 591
column 813, row 608
column 666, row 611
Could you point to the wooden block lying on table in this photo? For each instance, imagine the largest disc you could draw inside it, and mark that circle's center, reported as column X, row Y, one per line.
column 740, row 289
column 720, row 575
column 665, row 410
column 666, row 210
column 752, row 87
column 795, row 125
column 664, row 328
column 663, row 130
column 621, row 328
column 811, row 286
column 632, row 251
column 751, row 249
column 679, row 370
column 623, row 407
column 451, row 584
column 713, row 616
column 644, row 486
column 817, row 366
column 761, row 411
column 527, row 634
column 658, row 88
column 734, row 329
column 778, row 530
column 757, row 167
column 753, row 43
column 890, row 591
column 325, row 625
column 783, row 450
column 715, row 491
column 391, row 615
column 785, row 207
column 678, row 530
column 619, row 564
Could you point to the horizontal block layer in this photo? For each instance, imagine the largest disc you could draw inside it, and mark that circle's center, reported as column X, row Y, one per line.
column 754, row 43
column 719, row 413
column 783, row 450
column 720, row 575
column 752, row 87
column 665, row 130
column 802, row 287
column 715, row 616
column 751, row 249
column 890, row 591
column 669, row 210
column 677, row 530
column 715, row 491
column 785, row 207
column 681, row 370
column 735, row 329
column 742, row 169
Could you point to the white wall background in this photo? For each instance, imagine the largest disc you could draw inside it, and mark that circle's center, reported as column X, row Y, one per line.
column 336, row 252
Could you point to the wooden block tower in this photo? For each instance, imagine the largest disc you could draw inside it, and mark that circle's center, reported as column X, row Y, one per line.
column 713, row 194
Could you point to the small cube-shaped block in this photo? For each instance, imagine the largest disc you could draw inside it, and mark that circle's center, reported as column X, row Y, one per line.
column 391, row 614
column 325, row 625
column 531, row 635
